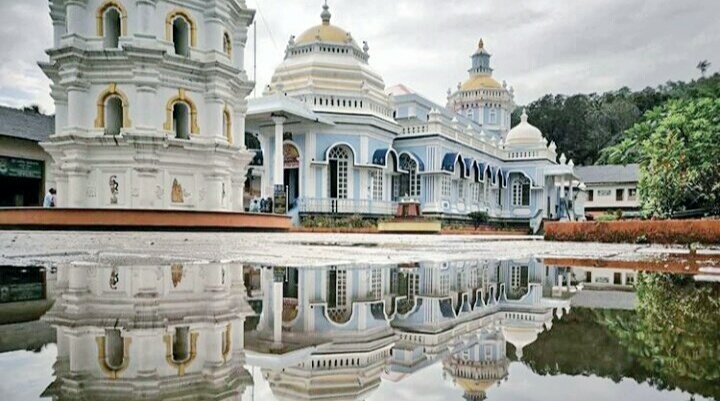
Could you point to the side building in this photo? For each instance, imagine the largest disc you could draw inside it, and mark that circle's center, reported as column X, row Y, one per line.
column 23, row 162
column 611, row 188
column 340, row 142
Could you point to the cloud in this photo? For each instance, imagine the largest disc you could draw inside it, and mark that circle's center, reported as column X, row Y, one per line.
column 538, row 46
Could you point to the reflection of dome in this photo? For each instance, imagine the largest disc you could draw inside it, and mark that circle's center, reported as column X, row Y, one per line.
column 524, row 133
column 481, row 82
column 520, row 337
column 474, row 386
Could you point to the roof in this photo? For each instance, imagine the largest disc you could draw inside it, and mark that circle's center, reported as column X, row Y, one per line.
column 481, row 82
column 28, row 125
column 608, row 173
column 264, row 107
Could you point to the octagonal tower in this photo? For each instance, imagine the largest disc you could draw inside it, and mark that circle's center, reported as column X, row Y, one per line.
column 150, row 103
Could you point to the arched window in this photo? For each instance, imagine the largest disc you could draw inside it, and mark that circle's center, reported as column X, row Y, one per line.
column 113, row 353
column 181, row 30
column 339, row 161
column 181, row 348
column 181, row 36
column 181, row 116
column 111, row 23
column 410, row 182
column 114, row 348
column 112, row 111
column 181, row 120
column 521, row 191
column 227, row 125
column 181, row 344
column 113, row 115
column 227, row 44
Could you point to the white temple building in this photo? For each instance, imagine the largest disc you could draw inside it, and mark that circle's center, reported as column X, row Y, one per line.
column 332, row 134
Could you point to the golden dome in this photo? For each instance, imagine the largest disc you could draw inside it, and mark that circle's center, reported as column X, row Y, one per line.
column 323, row 32
column 480, row 82
column 474, row 386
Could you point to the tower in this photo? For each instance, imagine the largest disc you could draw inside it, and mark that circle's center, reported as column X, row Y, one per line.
column 483, row 99
column 150, row 103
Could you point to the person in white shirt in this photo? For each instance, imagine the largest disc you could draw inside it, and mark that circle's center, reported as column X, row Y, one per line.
column 49, row 200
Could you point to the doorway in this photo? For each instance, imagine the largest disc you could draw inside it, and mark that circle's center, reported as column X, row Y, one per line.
column 291, row 177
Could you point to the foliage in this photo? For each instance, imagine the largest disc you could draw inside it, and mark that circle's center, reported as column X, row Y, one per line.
column 354, row 221
column 678, row 147
column 676, row 332
column 584, row 124
column 606, row 217
column 479, row 218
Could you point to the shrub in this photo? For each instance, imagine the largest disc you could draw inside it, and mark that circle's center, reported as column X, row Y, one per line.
column 479, row 218
column 637, row 231
column 606, row 217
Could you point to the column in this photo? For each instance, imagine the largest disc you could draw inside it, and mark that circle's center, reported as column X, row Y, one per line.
column 75, row 113
column 278, row 163
column 75, row 17
column 277, row 305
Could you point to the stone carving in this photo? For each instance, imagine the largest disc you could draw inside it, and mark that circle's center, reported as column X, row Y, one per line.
column 114, row 189
column 91, row 192
column 114, row 279
column 177, row 196
column 159, row 192
column 176, row 272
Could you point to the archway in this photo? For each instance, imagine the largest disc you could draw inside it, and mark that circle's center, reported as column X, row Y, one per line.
column 291, row 180
column 339, row 160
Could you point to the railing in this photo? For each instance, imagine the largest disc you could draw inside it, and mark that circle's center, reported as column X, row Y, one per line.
column 346, row 206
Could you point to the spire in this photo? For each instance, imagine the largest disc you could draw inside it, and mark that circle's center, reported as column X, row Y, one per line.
column 481, row 44
column 524, row 116
column 326, row 14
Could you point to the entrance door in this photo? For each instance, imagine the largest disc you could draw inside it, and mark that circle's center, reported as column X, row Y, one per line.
column 292, row 183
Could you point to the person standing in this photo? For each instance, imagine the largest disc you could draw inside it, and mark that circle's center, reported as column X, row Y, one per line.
column 49, row 200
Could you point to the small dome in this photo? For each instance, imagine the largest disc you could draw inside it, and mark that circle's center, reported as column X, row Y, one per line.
column 481, row 82
column 324, row 32
column 524, row 133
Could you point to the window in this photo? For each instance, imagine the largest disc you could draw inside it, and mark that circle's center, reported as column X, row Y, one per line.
column 181, row 36
column 446, row 186
column 521, row 191
column 114, row 115
column 591, row 195
column 604, row 193
column 114, row 348
column 339, row 161
column 376, row 180
column 111, row 27
column 619, row 194
column 461, row 190
column 181, row 120
column 227, row 125
column 410, row 182
column 476, row 190
column 493, row 116
column 227, row 44
column 181, row 344
column 632, row 194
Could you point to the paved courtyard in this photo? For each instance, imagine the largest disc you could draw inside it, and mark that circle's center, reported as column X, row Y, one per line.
column 21, row 248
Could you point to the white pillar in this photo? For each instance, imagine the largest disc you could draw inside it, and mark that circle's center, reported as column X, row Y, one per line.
column 279, row 161
column 277, row 306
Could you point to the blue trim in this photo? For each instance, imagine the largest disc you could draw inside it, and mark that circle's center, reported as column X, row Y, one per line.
column 380, row 157
column 449, row 162
column 468, row 166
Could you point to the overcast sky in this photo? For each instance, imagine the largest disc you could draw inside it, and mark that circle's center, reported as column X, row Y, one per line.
column 538, row 46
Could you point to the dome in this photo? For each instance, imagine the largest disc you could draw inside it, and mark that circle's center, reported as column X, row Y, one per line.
column 475, row 386
column 520, row 337
column 524, row 133
column 324, row 32
column 481, row 82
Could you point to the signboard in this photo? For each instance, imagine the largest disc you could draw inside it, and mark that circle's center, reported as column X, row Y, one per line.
column 21, row 168
column 280, row 200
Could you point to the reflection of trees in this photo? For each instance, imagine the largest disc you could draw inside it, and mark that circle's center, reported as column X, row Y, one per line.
column 671, row 341
column 675, row 333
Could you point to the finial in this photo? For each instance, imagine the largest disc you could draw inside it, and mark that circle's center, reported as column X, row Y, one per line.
column 481, row 44
column 326, row 14
column 366, row 47
column 524, row 116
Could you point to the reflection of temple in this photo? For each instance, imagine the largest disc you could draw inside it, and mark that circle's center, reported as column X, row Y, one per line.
column 332, row 332
column 323, row 332
column 149, row 332
column 479, row 364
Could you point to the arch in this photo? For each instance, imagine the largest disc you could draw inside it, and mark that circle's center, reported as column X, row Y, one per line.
column 520, row 189
column 112, row 91
column 227, row 125
column 100, row 17
column 340, row 157
column 410, row 182
column 338, row 144
column 181, row 349
column 227, row 44
column 416, row 158
column 170, row 27
column 117, row 360
column 170, row 108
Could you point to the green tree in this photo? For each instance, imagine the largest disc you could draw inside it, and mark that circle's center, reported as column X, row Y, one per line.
column 677, row 146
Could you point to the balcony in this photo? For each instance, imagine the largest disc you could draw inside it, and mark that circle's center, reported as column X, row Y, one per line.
column 347, row 206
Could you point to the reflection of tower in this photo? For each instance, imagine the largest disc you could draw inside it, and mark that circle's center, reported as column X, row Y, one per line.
column 480, row 366
column 160, row 332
